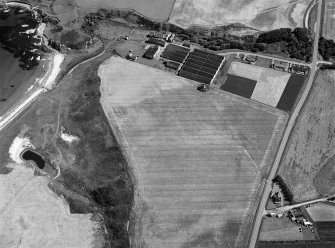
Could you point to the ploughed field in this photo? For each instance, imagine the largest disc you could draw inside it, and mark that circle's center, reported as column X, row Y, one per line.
column 259, row 14
column 157, row 9
column 197, row 158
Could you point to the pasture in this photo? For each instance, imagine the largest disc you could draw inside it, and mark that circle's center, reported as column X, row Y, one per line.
column 328, row 28
column 197, row 158
column 258, row 14
column 322, row 212
column 270, row 83
column 312, row 142
column 158, row 9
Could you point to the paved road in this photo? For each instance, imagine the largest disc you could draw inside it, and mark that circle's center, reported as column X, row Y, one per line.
column 267, row 189
column 267, row 57
column 283, row 209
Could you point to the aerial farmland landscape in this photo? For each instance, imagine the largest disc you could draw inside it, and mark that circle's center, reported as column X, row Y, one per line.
column 175, row 123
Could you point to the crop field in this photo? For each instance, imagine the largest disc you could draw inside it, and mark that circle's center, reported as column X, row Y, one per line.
column 326, row 230
column 197, row 158
column 322, row 212
column 328, row 28
column 325, row 179
column 279, row 229
column 239, row 85
column 291, row 92
column 270, row 83
column 158, row 9
column 312, row 143
column 260, row 14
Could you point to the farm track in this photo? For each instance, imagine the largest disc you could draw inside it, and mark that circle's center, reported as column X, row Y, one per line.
column 291, row 124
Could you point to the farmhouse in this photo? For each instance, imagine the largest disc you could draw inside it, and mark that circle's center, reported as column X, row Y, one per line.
column 151, row 52
column 299, row 69
column 280, row 65
column 156, row 41
column 251, row 59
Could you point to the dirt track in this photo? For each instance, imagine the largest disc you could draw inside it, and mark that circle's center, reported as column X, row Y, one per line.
column 197, row 158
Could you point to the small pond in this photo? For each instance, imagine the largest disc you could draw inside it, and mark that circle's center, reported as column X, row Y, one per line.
column 30, row 155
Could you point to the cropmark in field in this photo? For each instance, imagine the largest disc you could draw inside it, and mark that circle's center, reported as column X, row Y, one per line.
column 260, row 14
column 197, row 158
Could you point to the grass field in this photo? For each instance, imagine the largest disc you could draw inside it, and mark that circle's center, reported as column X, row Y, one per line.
column 197, row 158
column 312, row 142
column 322, row 212
column 270, row 83
column 328, row 28
column 158, row 9
column 259, row 14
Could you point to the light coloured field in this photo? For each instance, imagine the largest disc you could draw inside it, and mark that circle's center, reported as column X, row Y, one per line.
column 328, row 28
column 322, row 212
column 155, row 9
column 259, row 14
column 270, row 83
column 31, row 215
column 312, row 142
column 197, row 158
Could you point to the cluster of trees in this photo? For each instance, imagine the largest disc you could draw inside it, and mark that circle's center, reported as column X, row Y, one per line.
column 327, row 67
column 298, row 41
column 288, row 196
column 326, row 48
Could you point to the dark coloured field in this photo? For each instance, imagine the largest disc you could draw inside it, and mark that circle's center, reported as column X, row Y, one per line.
column 298, row 244
column 326, row 230
column 291, row 92
column 239, row 86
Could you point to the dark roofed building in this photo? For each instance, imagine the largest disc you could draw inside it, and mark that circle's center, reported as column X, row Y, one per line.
column 151, row 52
column 156, row 41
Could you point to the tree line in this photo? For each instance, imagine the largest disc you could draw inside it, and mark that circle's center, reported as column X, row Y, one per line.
column 288, row 196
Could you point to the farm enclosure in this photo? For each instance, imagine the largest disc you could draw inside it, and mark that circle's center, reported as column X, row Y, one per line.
column 158, row 9
column 197, row 158
column 259, row 14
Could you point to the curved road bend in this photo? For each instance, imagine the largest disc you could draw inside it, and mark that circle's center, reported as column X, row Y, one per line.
column 267, row 189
